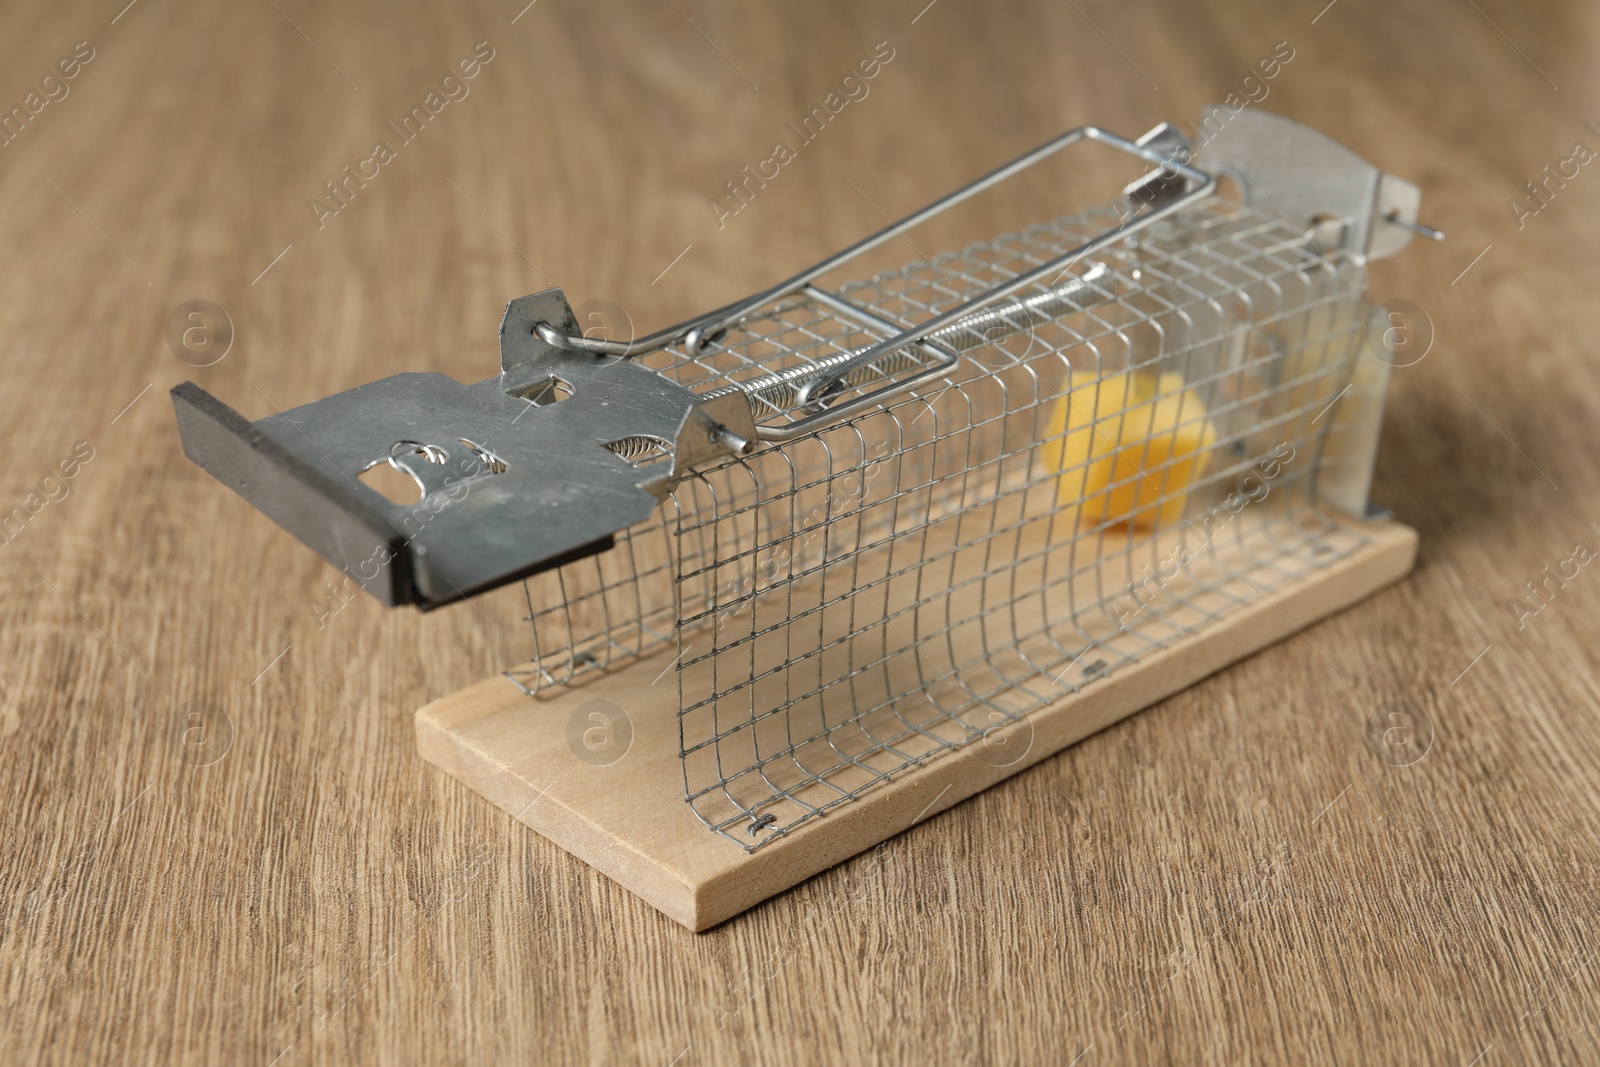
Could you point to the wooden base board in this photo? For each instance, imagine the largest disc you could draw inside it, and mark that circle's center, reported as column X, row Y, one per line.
column 629, row 819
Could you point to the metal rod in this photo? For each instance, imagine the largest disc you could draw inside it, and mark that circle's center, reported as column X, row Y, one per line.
column 695, row 331
column 1418, row 228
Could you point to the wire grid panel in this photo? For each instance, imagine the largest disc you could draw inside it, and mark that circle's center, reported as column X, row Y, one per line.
column 1087, row 489
column 594, row 614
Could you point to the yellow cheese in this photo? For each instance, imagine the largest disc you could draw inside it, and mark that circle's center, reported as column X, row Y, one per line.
column 1127, row 446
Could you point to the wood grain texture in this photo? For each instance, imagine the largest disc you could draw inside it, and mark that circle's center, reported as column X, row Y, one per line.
column 1236, row 877
column 626, row 816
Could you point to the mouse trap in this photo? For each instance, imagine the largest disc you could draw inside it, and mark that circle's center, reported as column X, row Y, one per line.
column 807, row 569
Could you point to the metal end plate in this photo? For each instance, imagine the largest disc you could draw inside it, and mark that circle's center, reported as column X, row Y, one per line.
column 1317, row 185
column 518, row 473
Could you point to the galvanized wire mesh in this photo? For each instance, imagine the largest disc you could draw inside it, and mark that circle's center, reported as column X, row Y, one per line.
column 1086, row 486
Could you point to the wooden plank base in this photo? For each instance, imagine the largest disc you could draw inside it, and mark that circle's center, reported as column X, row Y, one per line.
column 627, row 817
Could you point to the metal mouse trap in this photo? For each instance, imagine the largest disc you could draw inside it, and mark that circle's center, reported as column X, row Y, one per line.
column 803, row 570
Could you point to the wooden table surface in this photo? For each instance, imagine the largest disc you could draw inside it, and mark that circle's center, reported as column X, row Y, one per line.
column 1236, row 875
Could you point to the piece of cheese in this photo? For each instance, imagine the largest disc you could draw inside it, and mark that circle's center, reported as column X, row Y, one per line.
column 1127, row 446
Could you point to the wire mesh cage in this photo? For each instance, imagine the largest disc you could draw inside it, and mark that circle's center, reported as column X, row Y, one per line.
column 1069, row 496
